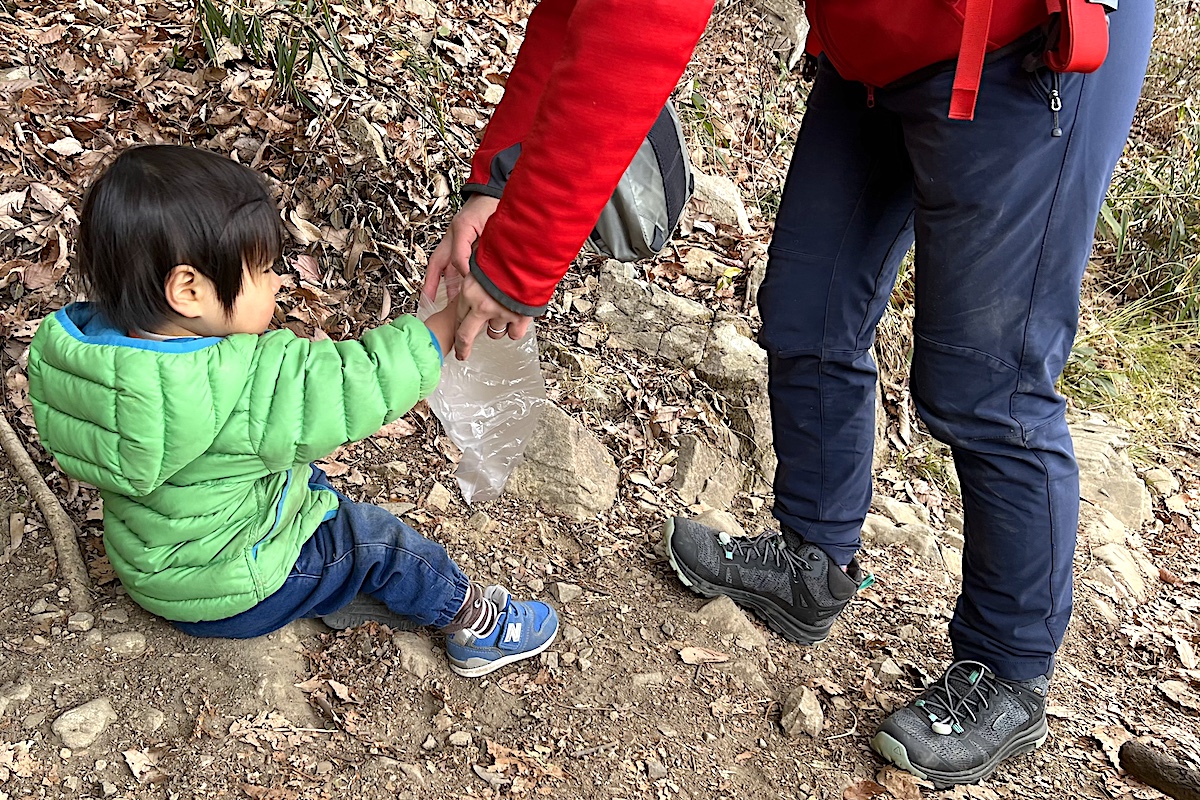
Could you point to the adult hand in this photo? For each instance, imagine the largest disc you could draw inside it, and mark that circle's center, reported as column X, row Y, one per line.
column 454, row 251
column 478, row 311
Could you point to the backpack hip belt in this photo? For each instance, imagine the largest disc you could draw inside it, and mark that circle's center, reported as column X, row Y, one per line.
column 1082, row 44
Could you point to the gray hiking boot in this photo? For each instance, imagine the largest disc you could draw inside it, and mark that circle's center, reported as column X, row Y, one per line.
column 961, row 727
column 365, row 608
column 798, row 592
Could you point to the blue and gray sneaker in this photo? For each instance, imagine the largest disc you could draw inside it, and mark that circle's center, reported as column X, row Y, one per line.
column 523, row 629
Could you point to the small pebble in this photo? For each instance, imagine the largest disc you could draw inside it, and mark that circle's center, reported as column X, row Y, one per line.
column 81, row 622
column 655, row 769
column 40, row 606
column 565, row 592
column 324, row 767
column 571, row 634
column 430, row 743
column 127, row 644
column 117, row 615
column 460, row 739
column 668, row 628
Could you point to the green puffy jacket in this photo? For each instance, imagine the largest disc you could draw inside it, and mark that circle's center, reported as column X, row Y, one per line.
column 201, row 447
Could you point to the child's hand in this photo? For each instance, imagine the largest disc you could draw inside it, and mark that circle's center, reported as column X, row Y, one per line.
column 443, row 325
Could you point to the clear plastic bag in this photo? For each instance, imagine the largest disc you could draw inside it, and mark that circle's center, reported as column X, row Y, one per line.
column 489, row 405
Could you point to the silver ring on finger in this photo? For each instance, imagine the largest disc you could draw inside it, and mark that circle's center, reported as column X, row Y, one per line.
column 497, row 331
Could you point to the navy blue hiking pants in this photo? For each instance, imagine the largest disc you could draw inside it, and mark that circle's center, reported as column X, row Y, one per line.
column 361, row 549
column 1003, row 214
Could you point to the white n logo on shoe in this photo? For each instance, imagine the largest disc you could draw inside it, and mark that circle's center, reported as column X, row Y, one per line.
column 512, row 633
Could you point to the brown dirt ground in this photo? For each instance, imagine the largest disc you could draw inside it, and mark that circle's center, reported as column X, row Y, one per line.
column 309, row 713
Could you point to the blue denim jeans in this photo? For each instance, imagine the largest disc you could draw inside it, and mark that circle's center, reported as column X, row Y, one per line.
column 1003, row 213
column 362, row 549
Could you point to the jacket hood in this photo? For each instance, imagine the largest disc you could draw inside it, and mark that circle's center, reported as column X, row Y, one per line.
column 126, row 414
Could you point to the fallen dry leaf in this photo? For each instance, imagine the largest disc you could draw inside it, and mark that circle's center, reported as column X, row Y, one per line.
column 1111, row 737
column 67, row 146
column 1187, row 653
column 397, row 429
column 864, row 790
column 702, row 655
column 1181, row 694
column 902, row 785
column 308, row 267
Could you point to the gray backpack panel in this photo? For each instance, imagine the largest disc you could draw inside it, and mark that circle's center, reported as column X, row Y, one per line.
column 645, row 207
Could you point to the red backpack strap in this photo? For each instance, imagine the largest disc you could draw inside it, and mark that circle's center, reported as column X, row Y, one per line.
column 977, row 19
column 1082, row 35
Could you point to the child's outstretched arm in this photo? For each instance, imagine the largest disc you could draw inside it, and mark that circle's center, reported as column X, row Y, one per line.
column 309, row 398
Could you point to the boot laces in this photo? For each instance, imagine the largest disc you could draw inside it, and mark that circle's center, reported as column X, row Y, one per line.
column 769, row 548
column 966, row 688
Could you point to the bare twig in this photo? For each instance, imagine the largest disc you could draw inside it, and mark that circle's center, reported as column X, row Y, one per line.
column 62, row 529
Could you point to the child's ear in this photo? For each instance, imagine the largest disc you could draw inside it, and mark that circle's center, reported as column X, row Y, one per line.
column 187, row 291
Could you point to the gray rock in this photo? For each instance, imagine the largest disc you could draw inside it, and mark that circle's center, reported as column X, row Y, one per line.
column 899, row 512
column 952, row 557
column 482, row 522
column 571, row 634
column 414, row 773
column 722, row 521
column 802, row 713
column 127, row 644
column 718, row 197
column 655, row 770
column 118, row 615
column 1161, row 481
column 1102, row 580
column 888, row 672
column 460, row 739
column 1106, row 611
column 647, row 678
column 952, row 537
column 1101, row 527
column 702, row 265
column 149, row 721
column 566, row 468
column 14, row 693
column 750, row 416
column 565, row 592
column 40, row 606
column 703, row 474
column 81, row 726
column 80, row 622
column 421, row 8
column 1121, row 561
column 917, row 537
column 416, row 656
column 365, row 138
column 955, row 521
column 1106, row 476
column 788, row 16
column 731, row 360
column 649, row 319
column 726, row 617
column 747, row 671
column 439, row 497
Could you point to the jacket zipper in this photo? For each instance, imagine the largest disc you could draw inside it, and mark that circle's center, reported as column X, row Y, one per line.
column 1055, row 102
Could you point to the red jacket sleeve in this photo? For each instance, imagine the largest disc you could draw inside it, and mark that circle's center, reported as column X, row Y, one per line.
column 509, row 125
column 616, row 67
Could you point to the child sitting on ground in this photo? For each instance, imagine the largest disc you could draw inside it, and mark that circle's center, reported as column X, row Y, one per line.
column 198, row 425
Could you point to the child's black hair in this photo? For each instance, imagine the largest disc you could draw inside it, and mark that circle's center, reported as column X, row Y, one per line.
column 159, row 206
